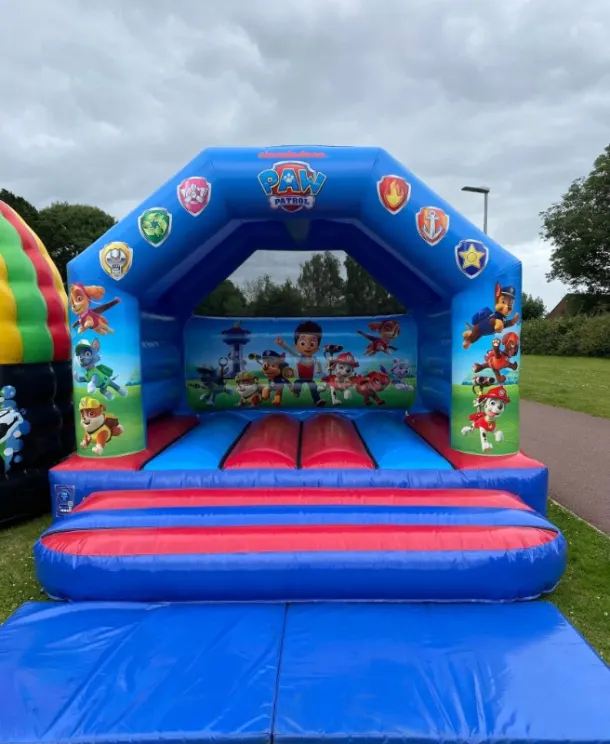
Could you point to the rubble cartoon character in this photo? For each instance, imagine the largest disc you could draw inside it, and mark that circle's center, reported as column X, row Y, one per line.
column 249, row 389
column 90, row 318
column 213, row 381
column 99, row 426
column 487, row 322
column 498, row 359
column 387, row 331
column 13, row 427
column 491, row 405
column 307, row 340
column 370, row 385
column 341, row 376
column 397, row 373
column 277, row 371
column 99, row 377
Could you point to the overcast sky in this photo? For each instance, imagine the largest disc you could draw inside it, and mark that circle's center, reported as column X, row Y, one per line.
column 103, row 100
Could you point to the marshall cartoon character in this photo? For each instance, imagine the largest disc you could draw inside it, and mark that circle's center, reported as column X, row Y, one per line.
column 341, row 374
column 89, row 318
column 498, row 359
column 248, row 388
column 388, row 330
column 491, row 405
column 99, row 426
column 370, row 385
column 487, row 322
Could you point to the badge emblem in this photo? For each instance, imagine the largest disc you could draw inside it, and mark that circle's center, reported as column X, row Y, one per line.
column 393, row 192
column 155, row 225
column 471, row 257
column 432, row 224
column 194, row 194
column 291, row 185
column 116, row 259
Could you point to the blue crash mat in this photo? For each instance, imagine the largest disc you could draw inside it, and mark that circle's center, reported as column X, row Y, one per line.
column 430, row 673
column 139, row 673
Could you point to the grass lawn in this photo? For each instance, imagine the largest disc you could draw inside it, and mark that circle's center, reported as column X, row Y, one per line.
column 583, row 595
column 578, row 383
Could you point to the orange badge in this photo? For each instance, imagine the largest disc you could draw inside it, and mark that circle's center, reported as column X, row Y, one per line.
column 432, row 224
column 393, row 192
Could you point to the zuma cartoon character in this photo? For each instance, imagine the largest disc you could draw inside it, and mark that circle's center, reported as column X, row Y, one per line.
column 498, row 359
column 277, row 371
column 387, row 331
column 370, row 385
column 99, row 426
column 486, row 322
column 90, row 318
column 307, row 340
column 248, row 388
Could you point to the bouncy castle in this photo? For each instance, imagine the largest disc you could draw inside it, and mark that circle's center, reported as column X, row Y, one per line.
column 297, row 529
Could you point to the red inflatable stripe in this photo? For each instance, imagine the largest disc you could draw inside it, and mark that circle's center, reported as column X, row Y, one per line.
column 269, row 442
column 331, row 441
column 113, row 500
column 293, row 539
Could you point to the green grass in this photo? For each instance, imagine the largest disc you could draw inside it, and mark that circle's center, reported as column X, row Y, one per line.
column 578, row 383
column 583, row 595
column 462, row 406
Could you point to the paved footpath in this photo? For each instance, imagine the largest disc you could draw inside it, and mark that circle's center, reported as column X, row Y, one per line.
column 576, row 449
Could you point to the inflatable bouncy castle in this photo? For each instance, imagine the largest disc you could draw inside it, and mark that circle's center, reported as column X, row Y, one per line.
column 297, row 529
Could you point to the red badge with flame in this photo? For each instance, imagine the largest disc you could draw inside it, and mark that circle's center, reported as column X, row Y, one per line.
column 432, row 224
column 394, row 193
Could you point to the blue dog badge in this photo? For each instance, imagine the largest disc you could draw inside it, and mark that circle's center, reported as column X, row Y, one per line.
column 471, row 257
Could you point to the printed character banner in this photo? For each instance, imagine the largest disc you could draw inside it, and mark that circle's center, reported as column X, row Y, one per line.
column 300, row 363
column 105, row 331
column 485, row 366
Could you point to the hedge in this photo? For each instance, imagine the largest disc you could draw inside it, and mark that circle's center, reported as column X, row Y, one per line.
column 577, row 336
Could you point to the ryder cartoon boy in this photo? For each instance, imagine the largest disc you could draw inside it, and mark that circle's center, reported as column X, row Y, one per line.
column 307, row 340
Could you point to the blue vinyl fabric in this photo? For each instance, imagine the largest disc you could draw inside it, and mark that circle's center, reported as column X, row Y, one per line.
column 139, row 673
column 460, row 673
column 204, row 447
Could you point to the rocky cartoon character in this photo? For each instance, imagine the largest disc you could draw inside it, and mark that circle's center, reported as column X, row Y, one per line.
column 82, row 297
column 387, row 331
column 277, row 371
column 397, row 373
column 341, row 375
column 498, row 359
column 307, row 340
column 98, row 376
column 491, row 405
column 248, row 388
column 487, row 322
column 13, row 427
column 370, row 385
column 213, row 381
column 99, row 426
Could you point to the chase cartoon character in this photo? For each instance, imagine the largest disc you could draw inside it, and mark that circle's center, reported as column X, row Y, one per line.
column 307, row 340
column 387, row 331
column 277, row 371
column 248, row 388
column 91, row 318
column 341, row 375
column 99, row 426
column 487, row 322
column 491, row 405
column 98, row 376
column 498, row 359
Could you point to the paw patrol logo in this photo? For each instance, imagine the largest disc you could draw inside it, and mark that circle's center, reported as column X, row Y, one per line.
column 471, row 257
column 116, row 260
column 291, row 185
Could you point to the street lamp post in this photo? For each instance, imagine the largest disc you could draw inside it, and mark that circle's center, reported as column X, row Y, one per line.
column 480, row 190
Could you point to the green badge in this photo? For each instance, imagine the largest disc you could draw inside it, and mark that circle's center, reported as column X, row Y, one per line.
column 155, row 225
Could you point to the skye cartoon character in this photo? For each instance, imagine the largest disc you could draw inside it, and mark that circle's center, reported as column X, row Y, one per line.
column 98, row 376
column 81, row 300
column 99, row 426
column 486, row 322
column 13, row 427
column 213, row 381
column 491, row 405
column 248, row 389
column 341, row 377
column 498, row 359
column 307, row 340
column 370, row 385
column 388, row 330
column 277, row 371
column 399, row 370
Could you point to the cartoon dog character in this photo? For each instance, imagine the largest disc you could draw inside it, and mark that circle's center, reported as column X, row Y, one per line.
column 81, row 300
column 98, row 376
column 491, row 405
column 13, row 427
column 399, row 370
column 487, row 322
column 370, row 385
column 341, row 377
column 99, row 426
column 212, row 381
column 388, row 330
column 277, row 371
column 248, row 389
column 498, row 359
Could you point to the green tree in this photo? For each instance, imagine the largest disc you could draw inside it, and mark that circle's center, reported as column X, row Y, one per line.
column 226, row 300
column 321, row 285
column 268, row 299
column 364, row 295
column 578, row 227
column 532, row 307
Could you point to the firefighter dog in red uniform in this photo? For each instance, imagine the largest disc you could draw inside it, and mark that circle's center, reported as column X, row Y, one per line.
column 491, row 405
